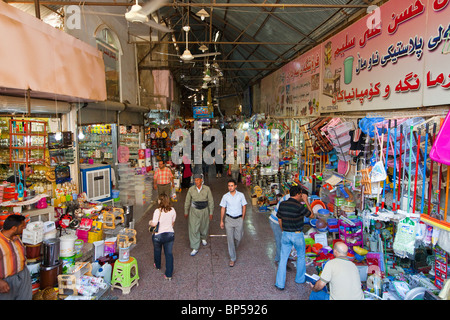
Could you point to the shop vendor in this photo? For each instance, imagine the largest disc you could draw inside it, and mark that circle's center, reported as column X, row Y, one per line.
column 25, row 173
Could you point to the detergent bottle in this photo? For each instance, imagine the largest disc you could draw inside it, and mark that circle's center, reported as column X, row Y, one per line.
column 105, row 272
column 95, row 266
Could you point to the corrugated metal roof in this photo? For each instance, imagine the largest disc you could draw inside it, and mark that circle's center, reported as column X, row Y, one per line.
column 279, row 33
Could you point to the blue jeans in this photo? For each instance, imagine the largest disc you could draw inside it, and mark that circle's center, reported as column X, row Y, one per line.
column 164, row 240
column 289, row 239
column 319, row 295
column 277, row 234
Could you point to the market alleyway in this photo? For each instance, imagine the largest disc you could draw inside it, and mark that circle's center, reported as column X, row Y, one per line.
column 207, row 276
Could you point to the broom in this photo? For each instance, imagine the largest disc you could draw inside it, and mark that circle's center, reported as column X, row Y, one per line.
column 416, row 172
column 394, row 203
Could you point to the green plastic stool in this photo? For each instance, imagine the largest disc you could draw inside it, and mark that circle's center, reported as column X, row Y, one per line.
column 125, row 275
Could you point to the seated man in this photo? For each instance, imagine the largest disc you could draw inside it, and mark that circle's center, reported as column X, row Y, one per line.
column 342, row 275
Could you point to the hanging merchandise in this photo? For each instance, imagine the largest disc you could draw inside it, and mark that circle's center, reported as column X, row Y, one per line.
column 440, row 152
column 404, row 242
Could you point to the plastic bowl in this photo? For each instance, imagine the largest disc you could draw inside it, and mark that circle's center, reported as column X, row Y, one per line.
column 359, row 257
column 313, row 222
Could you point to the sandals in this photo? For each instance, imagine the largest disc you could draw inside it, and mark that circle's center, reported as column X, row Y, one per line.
column 167, row 278
column 231, row 264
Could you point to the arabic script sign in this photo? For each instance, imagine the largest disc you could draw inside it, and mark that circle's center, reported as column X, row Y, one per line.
column 398, row 63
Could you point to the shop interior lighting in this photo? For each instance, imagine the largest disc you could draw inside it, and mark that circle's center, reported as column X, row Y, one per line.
column 202, row 14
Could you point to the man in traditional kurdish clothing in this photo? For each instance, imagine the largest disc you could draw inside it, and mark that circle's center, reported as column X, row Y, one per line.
column 199, row 206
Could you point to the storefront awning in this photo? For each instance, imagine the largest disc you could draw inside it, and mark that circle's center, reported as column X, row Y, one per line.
column 48, row 61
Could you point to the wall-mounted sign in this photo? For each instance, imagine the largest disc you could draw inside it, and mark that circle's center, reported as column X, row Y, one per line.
column 202, row 112
column 294, row 90
column 392, row 58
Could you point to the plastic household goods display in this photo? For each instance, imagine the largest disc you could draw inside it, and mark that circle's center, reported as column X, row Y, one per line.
column 440, row 152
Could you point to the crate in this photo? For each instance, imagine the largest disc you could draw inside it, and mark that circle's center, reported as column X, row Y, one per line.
column 82, row 234
column 95, row 236
column 32, row 237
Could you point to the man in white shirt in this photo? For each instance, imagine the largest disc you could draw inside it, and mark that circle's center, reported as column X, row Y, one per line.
column 233, row 207
column 342, row 275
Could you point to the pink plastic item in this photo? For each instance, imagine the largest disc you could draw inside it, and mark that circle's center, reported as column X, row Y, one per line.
column 440, row 152
column 41, row 204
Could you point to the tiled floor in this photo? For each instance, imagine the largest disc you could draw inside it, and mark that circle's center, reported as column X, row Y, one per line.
column 207, row 276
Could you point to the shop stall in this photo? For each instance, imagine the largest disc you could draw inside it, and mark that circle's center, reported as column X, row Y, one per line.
column 379, row 184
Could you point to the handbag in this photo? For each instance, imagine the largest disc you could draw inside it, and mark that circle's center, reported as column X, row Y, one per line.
column 154, row 229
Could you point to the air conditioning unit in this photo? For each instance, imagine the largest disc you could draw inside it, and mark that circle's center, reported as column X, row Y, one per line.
column 96, row 182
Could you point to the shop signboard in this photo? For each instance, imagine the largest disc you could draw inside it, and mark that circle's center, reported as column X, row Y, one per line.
column 392, row 58
column 294, row 89
column 202, row 112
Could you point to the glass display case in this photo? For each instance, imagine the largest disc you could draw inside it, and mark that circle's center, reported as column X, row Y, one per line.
column 98, row 144
column 129, row 136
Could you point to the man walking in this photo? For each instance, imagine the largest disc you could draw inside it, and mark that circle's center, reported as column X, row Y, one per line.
column 234, row 169
column 291, row 215
column 199, row 207
column 15, row 279
column 163, row 179
column 233, row 207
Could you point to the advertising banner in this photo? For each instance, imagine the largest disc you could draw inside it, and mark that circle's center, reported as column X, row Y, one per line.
column 294, row 89
column 377, row 62
column 394, row 58
column 202, row 112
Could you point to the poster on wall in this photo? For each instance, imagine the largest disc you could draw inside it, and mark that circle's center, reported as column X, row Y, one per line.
column 294, row 89
column 378, row 62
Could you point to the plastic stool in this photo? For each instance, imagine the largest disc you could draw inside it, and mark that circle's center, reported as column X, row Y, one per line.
column 125, row 275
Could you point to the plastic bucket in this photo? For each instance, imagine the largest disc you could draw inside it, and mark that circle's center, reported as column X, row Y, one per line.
column 124, row 254
column 78, row 247
column 67, row 263
column 33, row 251
column 67, row 246
column 348, row 69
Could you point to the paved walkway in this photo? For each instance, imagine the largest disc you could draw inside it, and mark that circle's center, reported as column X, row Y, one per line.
column 207, row 276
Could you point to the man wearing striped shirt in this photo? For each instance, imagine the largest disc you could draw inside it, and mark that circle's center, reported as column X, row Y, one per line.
column 163, row 179
column 291, row 214
column 15, row 279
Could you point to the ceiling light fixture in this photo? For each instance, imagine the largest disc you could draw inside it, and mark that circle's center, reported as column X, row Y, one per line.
column 187, row 55
column 202, row 14
column 203, row 48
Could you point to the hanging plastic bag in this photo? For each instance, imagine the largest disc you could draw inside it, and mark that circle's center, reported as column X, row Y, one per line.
column 378, row 172
column 405, row 239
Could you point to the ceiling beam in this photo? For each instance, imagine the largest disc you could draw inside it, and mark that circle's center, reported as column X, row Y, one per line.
column 256, row 43
column 200, row 5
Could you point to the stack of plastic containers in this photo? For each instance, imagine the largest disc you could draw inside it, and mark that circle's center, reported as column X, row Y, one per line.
column 139, row 189
column 126, row 184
